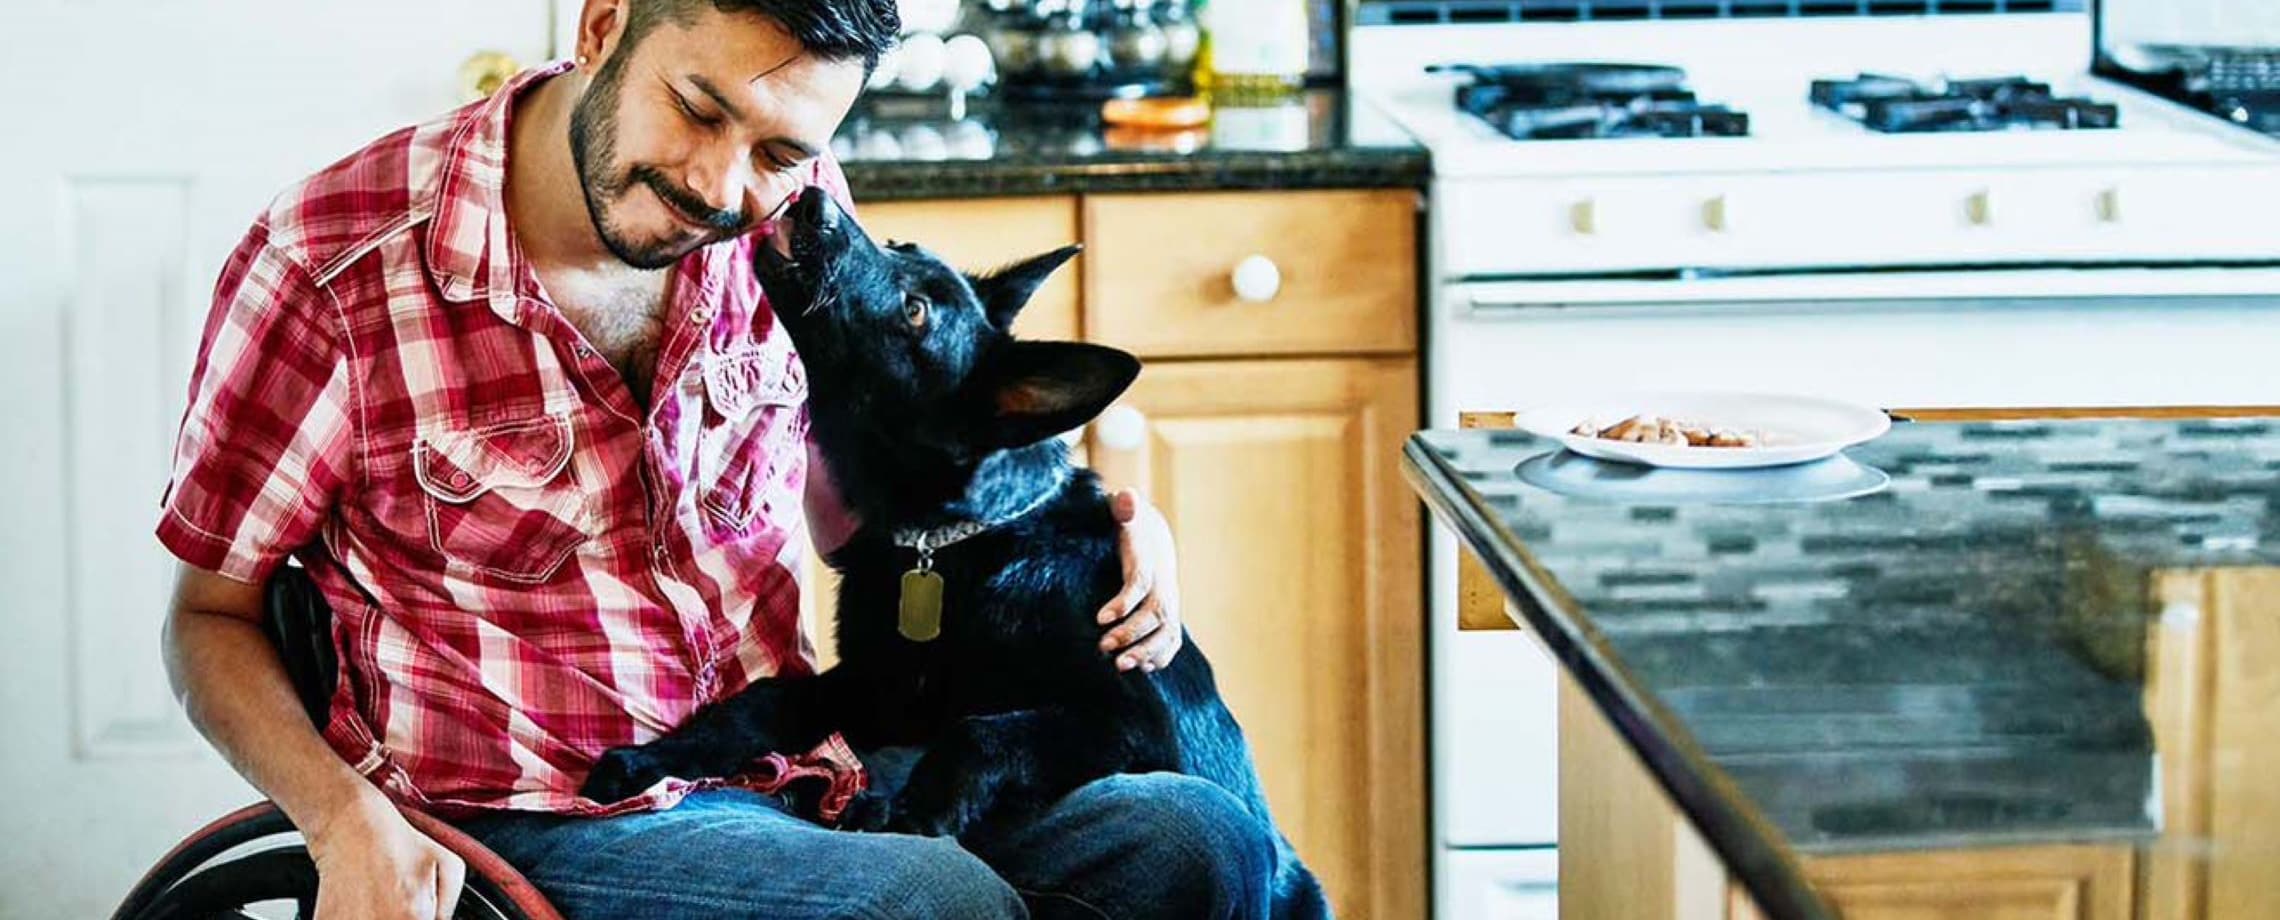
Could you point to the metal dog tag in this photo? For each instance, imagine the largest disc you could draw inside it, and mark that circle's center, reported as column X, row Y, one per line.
column 921, row 618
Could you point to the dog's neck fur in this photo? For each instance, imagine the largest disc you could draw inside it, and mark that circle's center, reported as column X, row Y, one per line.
column 890, row 483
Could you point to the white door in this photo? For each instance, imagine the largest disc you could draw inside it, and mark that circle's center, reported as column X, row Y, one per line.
column 140, row 139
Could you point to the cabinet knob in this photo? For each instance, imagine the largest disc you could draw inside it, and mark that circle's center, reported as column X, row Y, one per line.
column 1256, row 279
column 2110, row 206
column 1583, row 216
column 1718, row 214
column 1980, row 208
column 1121, row 428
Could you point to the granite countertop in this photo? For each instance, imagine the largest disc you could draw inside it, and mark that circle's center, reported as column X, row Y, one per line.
column 1955, row 659
column 903, row 148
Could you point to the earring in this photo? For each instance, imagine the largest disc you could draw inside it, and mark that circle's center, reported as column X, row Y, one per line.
column 582, row 60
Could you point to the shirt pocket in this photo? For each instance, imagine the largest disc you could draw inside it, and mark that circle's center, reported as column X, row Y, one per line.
column 502, row 499
column 752, row 435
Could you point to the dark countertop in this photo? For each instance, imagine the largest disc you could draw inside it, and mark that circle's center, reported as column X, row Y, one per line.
column 1958, row 659
column 902, row 148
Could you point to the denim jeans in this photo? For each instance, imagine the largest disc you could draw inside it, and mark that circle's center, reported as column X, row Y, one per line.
column 1128, row 846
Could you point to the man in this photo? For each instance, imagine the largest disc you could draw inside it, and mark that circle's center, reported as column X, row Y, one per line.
column 506, row 384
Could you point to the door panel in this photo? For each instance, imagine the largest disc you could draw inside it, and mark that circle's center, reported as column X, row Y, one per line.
column 1299, row 550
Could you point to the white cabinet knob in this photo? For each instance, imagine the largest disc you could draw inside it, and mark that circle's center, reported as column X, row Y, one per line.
column 1121, row 428
column 1256, row 279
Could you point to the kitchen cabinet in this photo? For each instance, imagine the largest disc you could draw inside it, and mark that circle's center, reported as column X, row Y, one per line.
column 1279, row 334
column 1299, row 576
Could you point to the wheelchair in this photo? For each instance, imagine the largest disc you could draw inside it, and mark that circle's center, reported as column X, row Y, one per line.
column 252, row 863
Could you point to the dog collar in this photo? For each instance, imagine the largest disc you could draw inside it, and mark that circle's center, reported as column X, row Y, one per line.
column 928, row 539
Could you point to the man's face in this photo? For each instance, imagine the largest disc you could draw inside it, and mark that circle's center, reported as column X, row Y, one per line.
column 700, row 131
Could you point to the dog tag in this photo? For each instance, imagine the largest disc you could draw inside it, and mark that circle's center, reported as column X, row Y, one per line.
column 921, row 618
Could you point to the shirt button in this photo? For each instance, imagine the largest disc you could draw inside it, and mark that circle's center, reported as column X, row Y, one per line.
column 701, row 315
column 584, row 353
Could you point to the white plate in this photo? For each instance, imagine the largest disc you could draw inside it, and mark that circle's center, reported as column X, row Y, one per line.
column 1577, row 476
column 1793, row 429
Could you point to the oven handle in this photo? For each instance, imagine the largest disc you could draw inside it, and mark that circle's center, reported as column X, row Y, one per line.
column 1501, row 297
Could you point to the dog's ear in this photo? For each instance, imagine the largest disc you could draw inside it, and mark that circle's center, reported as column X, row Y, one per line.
column 1005, row 291
column 1035, row 390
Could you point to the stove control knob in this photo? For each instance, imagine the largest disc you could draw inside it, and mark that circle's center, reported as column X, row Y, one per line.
column 1583, row 216
column 2110, row 205
column 1256, row 279
column 1718, row 214
column 1980, row 208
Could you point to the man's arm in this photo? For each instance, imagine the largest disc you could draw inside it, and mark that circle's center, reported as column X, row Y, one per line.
column 370, row 861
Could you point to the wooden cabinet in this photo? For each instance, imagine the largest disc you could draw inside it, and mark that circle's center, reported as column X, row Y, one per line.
column 2211, row 696
column 977, row 236
column 1343, row 266
column 1299, row 576
column 1268, row 431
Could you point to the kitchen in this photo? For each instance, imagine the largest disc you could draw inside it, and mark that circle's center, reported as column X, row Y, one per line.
column 1435, row 231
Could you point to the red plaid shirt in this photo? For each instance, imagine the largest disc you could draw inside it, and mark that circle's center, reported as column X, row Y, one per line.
column 526, row 569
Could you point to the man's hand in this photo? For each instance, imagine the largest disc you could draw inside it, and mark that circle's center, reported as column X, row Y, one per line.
column 1144, row 618
column 371, row 863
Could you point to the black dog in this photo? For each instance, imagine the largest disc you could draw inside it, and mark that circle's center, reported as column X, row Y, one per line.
column 966, row 605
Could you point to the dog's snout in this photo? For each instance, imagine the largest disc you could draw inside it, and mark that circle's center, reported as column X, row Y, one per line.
column 816, row 210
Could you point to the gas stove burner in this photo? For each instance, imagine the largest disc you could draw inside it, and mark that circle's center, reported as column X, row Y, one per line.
column 1589, row 100
column 1894, row 105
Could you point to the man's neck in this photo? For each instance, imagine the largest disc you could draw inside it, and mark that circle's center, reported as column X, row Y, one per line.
column 546, row 207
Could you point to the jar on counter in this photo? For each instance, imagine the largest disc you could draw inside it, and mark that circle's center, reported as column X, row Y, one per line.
column 1256, row 49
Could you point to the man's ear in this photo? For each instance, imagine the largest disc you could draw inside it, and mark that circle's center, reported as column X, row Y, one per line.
column 1035, row 390
column 1005, row 291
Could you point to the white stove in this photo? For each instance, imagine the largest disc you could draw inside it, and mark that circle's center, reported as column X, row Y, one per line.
column 2132, row 265
column 1808, row 187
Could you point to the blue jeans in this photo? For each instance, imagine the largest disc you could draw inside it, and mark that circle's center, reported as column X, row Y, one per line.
column 1128, row 846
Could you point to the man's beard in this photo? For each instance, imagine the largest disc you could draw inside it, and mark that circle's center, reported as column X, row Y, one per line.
column 593, row 149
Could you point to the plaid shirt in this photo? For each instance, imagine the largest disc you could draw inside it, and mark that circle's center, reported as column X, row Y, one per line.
column 525, row 568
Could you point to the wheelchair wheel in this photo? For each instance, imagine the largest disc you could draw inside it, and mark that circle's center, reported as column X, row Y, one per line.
column 252, row 863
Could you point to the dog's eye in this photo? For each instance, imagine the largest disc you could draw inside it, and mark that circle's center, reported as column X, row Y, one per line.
column 914, row 312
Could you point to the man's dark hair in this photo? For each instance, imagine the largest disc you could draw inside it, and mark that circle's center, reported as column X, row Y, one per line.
column 834, row 30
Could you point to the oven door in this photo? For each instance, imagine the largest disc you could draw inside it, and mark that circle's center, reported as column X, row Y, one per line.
column 1992, row 337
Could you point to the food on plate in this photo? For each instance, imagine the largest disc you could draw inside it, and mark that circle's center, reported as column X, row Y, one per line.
column 1649, row 429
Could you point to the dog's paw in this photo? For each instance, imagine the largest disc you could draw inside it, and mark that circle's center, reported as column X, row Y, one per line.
column 868, row 811
column 621, row 773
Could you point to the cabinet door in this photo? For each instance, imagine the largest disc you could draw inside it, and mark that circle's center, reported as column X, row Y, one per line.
column 979, row 235
column 1299, row 575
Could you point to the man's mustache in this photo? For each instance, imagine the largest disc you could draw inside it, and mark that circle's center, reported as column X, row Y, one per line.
column 689, row 204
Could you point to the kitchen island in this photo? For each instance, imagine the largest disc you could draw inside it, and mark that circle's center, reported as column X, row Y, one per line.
column 2032, row 671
